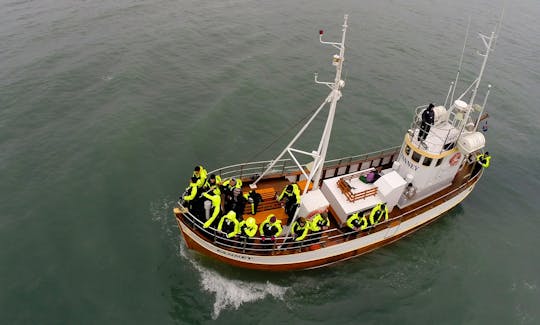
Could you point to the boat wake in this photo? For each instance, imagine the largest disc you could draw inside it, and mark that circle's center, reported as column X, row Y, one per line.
column 229, row 293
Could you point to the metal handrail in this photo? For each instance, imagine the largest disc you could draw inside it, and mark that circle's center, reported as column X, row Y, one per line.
column 330, row 235
column 284, row 166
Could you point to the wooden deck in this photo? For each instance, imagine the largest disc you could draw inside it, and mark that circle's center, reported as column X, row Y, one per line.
column 271, row 187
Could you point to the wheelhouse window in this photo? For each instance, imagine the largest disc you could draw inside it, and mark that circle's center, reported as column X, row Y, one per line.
column 427, row 161
column 416, row 156
column 407, row 150
column 439, row 161
column 448, row 146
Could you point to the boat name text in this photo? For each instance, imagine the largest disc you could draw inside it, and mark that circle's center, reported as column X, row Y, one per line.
column 239, row 256
column 408, row 163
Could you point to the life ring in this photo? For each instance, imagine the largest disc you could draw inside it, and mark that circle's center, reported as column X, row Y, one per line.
column 455, row 158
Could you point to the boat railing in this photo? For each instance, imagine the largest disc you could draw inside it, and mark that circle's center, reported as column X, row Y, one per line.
column 353, row 197
column 437, row 142
column 281, row 245
column 287, row 245
column 252, row 170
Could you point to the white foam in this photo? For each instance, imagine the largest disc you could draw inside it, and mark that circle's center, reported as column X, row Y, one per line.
column 231, row 293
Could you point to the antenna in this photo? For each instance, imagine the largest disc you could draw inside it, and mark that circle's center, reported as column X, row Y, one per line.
column 335, row 94
column 498, row 29
column 460, row 60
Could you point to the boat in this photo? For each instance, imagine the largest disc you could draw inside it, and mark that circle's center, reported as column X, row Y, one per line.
column 392, row 192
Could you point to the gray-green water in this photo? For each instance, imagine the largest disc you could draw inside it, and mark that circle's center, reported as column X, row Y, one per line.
column 106, row 106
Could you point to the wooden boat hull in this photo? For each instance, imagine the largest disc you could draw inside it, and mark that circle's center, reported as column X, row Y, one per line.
column 417, row 216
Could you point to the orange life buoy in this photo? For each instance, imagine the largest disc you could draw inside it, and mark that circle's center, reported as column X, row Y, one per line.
column 455, row 158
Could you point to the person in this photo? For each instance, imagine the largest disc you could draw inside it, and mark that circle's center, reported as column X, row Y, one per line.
column 200, row 173
column 215, row 198
column 378, row 214
column 254, row 199
column 428, row 118
column 228, row 225
column 299, row 230
column 229, row 185
column 248, row 229
column 292, row 193
column 318, row 223
column 236, row 202
column 212, row 182
column 190, row 197
column 484, row 159
column 357, row 223
column 270, row 229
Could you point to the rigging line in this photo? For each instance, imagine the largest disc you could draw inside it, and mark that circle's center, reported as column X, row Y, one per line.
column 282, row 135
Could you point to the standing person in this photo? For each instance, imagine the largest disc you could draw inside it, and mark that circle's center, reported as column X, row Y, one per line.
column 357, row 223
column 212, row 182
column 484, row 159
column 428, row 118
column 200, row 173
column 292, row 193
column 191, row 198
column 236, row 202
column 229, row 185
column 270, row 229
column 215, row 198
column 378, row 214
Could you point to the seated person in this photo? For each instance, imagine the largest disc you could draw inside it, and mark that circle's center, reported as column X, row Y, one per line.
column 270, row 229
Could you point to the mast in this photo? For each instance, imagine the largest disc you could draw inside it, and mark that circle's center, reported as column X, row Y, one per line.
column 487, row 43
column 335, row 96
column 318, row 155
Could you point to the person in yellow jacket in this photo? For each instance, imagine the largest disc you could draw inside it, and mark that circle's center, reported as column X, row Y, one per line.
column 357, row 223
column 270, row 228
column 378, row 214
column 229, row 185
column 300, row 229
column 292, row 193
column 190, row 197
column 318, row 224
column 215, row 198
column 212, row 182
column 229, row 225
column 484, row 159
column 248, row 229
column 200, row 173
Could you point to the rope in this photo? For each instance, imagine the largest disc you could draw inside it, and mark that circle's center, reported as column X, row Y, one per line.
column 282, row 135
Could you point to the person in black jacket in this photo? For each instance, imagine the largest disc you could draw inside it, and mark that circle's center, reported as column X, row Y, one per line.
column 235, row 201
column 428, row 118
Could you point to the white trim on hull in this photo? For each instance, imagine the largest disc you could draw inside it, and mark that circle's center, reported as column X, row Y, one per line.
column 325, row 253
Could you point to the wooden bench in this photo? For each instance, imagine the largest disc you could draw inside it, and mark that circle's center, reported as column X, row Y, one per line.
column 302, row 185
column 269, row 201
